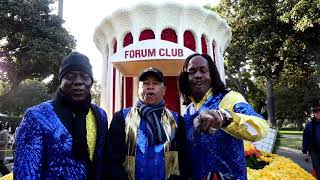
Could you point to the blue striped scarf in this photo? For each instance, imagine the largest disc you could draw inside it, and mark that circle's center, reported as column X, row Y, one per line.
column 152, row 115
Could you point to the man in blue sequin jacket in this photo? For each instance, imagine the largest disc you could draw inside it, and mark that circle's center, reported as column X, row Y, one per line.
column 217, row 121
column 63, row 138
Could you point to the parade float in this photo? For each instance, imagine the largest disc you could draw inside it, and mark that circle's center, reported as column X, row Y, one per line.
column 264, row 165
column 159, row 35
column 162, row 35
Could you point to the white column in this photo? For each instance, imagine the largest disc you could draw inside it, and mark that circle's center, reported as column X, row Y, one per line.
column 157, row 35
column 109, row 87
column 124, row 92
column 118, row 88
column 198, row 43
column 219, row 63
column 222, row 72
column 135, row 37
column 103, row 96
column 119, row 44
column 180, row 38
column 209, row 48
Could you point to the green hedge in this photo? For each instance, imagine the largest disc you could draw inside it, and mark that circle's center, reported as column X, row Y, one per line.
column 14, row 121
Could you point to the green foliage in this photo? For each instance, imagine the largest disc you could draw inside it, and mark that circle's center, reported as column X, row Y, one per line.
column 296, row 92
column 255, row 163
column 304, row 16
column 13, row 121
column 96, row 92
column 30, row 92
column 291, row 132
column 303, row 13
column 294, row 142
column 270, row 42
column 33, row 42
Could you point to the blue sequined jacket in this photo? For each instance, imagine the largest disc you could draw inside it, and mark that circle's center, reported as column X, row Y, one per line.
column 44, row 146
column 223, row 151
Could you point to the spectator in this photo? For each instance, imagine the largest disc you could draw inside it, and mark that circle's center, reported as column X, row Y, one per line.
column 4, row 139
column 311, row 139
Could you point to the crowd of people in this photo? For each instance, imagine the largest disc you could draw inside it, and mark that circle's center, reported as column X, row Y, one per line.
column 68, row 137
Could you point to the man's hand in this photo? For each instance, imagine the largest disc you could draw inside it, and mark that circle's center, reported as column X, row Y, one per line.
column 306, row 157
column 210, row 121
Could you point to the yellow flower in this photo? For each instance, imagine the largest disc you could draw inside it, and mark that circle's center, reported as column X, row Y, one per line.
column 279, row 168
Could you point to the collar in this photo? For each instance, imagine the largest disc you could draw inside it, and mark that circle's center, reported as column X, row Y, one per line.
column 203, row 100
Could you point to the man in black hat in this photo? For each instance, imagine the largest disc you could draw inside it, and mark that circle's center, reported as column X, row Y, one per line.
column 63, row 138
column 311, row 139
column 146, row 140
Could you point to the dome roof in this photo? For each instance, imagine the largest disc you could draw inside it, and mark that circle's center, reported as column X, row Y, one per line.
column 160, row 16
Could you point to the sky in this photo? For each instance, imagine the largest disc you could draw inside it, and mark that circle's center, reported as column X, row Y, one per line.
column 83, row 16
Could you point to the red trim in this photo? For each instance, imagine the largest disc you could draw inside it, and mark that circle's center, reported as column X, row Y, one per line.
column 129, row 91
column 115, row 47
column 213, row 53
column 169, row 35
column 171, row 96
column 189, row 41
column 127, row 40
column 204, row 44
column 146, row 34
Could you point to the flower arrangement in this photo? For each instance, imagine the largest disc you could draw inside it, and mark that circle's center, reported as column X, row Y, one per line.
column 262, row 165
column 252, row 157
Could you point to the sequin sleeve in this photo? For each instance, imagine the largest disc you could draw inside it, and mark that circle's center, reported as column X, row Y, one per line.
column 246, row 124
column 29, row 148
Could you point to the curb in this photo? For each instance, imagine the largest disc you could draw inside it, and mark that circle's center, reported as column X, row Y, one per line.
column 297, row 151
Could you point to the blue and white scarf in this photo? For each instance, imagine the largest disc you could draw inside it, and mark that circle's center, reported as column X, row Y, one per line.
column 152, row 114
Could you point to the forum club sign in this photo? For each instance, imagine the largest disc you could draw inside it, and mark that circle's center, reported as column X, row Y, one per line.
column 151, row 50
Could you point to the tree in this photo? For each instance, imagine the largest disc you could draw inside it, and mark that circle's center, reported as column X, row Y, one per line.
column 29, row 93
column 96, row 92
column 305, row 17
column 32, row 43
column 296, row 93
column 253, row 89
column 263, row 42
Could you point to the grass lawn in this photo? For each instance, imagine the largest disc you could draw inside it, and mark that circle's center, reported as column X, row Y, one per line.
column 291, row 132
column 294, row 142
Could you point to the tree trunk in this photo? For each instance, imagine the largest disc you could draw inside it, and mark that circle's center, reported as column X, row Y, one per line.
column 280, row 123
column 243, row 89
column 270, row 103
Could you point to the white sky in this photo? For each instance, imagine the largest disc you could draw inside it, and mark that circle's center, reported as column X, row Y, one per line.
column 83, row 16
